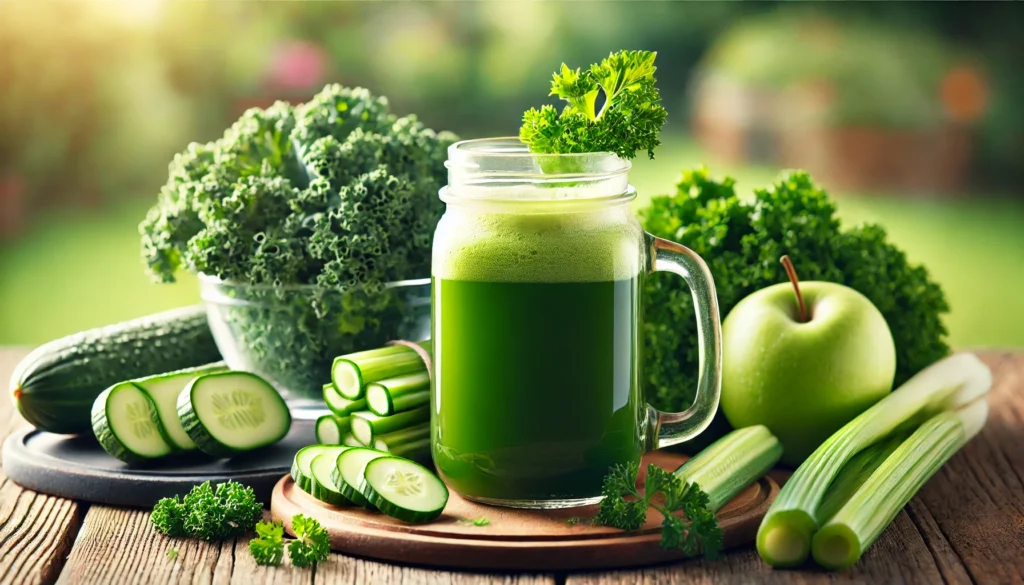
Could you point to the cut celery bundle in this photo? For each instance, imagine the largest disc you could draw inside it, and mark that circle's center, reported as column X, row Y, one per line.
column 845, row 537
column 784, row 537
column 730, row 464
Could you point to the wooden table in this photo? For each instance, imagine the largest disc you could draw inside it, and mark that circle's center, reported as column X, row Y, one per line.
column 966, row 525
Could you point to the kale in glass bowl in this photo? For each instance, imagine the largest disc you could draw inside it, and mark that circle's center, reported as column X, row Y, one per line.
column 291, row 334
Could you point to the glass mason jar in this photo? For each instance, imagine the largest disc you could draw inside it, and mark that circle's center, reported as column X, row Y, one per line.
column 537, row 298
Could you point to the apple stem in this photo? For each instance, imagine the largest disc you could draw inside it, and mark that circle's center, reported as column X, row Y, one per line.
column 791, row 273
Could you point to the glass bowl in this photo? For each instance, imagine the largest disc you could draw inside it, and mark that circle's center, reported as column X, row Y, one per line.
column 290, row 334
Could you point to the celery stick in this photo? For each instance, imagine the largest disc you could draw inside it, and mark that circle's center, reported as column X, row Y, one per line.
column 387, row 397
column 367, row 426
column 388, row 441
column 854, row 474
column 351, row 373
column 784, row 537
column 330, row 429
column 845, row 537
column 730, row 464
column 340, row 405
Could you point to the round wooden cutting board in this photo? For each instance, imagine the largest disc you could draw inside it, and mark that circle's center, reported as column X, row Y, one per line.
column 513, row 540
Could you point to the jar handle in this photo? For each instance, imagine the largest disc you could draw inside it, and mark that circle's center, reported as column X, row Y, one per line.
column 670, row 428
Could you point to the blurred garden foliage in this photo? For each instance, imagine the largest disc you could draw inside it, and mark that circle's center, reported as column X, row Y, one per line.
column 99, row 95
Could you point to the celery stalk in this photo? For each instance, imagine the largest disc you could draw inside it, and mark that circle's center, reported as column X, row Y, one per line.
column 730, row 464
column 845, row 537
column 351, row 373
column 784, row 537
column 854, row 474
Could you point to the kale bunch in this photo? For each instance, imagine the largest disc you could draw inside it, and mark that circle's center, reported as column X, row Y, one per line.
column 742, row 241
column 337, row 191
column 337, row 194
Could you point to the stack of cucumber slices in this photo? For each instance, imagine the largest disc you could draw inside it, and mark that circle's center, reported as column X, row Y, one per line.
column 358, row 476
column 208, row 409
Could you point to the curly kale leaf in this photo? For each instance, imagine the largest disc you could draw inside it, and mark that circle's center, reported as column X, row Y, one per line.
column 629, row 120
column 742, row 241
column 336, row 191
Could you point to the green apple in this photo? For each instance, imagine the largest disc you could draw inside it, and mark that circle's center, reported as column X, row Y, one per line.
column 804, row 376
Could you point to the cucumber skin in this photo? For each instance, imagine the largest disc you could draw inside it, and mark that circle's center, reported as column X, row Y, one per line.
column 197, row 432
column 300, row 478
column 108, row 439
column 55, row 386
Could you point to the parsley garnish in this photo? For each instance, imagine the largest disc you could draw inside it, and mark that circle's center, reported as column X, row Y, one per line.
column 629, row 120
column 268, row 546
column 311, row 545
column 172, row 553
column 624, row 507
column 209, row 513
column 481, row 521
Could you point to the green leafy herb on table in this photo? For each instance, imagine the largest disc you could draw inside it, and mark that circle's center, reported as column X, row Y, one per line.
column 209, row 513
column 268, row 546
column 742, row 240
column 481, row 521
column 172, row 553
column 311, row 545
column 629, row 120
column 624, row 507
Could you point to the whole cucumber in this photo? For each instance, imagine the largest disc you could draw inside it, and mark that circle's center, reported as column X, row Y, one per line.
column 55, row 385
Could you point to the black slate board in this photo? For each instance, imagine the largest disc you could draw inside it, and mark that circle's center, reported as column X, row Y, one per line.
column 78, row 468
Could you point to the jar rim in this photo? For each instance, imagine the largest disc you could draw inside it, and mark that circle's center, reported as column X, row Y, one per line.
column 504, row 169
column 467, row 154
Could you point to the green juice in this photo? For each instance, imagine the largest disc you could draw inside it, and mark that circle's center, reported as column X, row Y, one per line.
column 537, row 358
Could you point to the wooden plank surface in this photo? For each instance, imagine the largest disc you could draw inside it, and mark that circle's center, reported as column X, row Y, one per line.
column 36, row 530
column 966, row 525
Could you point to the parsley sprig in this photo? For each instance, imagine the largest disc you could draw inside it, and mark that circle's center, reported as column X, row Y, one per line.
column 311, row 545
column 209, row 513
column 629, row 120
column 268, row 546
column 625, row 507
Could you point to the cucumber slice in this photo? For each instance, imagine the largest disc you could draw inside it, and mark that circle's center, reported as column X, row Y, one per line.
column 403, row 489
column 164, row 390
column 348, row 473
column 126, row 424
column 351, row 441
column 340, row 405
column 330, row 429
column 302, row 464
column 231, row 412
column 366, row 425
column 324, row 488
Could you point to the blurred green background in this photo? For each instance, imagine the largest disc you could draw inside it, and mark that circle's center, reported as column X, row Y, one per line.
column 909, row 113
